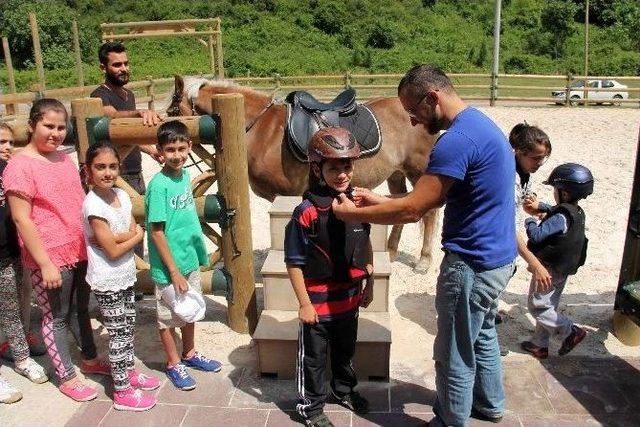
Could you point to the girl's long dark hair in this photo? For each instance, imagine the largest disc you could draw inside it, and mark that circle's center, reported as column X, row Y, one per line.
column 41, row 107
column 525, row 138
column 97, row 148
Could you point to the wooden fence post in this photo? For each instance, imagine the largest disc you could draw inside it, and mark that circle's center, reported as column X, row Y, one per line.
column 151, row 93
column 276, row 78
column 219, row 53
column 212, row 58
column 81, row 110
column 493, row 89
column 11, row 108
column 76, row 49
column 567, row 89
column 496, row 52
column 37, row 52
column 586, row 55
column 347, row 80
column 233, row 183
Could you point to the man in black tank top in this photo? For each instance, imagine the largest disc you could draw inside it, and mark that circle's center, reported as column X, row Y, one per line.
column 120, row 102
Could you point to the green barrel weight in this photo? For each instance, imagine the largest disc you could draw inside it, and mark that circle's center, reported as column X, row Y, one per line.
column 207, row 130
column 98, row 129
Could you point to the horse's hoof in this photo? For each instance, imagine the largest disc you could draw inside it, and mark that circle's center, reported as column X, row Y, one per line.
column 422, row 266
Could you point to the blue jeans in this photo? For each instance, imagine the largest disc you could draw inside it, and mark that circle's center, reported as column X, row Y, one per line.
column 466, row 351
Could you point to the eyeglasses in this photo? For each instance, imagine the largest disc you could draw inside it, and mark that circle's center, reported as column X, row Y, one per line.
column 411, row 111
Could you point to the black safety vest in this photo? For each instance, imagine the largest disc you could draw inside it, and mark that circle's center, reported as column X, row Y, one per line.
column 335, row 247
column 564, row 253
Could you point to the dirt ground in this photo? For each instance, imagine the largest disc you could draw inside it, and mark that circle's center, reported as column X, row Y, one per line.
column 605, row 140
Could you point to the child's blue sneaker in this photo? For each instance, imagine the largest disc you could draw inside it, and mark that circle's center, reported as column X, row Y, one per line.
column 198, row 361
column 180, row 377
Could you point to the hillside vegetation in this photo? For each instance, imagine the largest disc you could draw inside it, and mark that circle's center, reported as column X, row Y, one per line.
column 293, row 37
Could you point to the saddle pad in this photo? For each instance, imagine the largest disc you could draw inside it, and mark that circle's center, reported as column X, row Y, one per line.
column 362, row 124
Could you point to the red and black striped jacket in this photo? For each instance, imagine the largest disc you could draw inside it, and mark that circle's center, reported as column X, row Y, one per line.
column 332, row 254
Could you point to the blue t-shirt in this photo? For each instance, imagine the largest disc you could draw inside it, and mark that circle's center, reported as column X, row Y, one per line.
column 479, row 216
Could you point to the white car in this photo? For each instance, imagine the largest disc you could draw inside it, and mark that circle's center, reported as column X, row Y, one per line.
column 598, row 96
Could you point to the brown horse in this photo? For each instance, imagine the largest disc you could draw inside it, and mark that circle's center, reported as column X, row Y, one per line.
column 273, row 170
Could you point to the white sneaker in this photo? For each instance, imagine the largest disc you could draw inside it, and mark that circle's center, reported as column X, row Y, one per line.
column 8, row 394
column 33, row 371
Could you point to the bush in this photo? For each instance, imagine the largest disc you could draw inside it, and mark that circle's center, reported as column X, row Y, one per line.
column 361, row 58
column 518, row 64
column 330, row 16
column 382, row 36
column 482, row 56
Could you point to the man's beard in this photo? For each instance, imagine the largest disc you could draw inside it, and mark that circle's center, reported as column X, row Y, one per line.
column 434, row 125
column 117, row 79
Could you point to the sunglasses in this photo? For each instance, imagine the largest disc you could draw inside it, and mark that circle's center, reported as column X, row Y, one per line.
column 412, row 111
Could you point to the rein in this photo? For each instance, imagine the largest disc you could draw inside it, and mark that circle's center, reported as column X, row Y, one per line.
column 264, row 110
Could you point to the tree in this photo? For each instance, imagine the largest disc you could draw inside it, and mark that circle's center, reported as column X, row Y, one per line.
column 482, row 56
column 557, row 20
column 54, row 27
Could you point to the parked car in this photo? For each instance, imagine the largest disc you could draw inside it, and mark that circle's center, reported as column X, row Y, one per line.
column 577, row 93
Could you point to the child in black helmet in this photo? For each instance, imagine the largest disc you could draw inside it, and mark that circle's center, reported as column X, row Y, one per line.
column 559, row 241
column 328, row 260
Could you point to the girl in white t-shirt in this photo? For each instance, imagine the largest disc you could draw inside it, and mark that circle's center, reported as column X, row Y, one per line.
column 532, row 148
column 111, row 233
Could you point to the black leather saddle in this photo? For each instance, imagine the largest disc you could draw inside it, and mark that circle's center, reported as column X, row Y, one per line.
column 343, row 103
column 306, row 115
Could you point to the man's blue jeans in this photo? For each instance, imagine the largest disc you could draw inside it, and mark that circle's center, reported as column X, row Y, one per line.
column 466, row 351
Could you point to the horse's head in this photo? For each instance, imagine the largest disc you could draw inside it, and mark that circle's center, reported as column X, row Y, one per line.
column 184, row 95
column 192, row 96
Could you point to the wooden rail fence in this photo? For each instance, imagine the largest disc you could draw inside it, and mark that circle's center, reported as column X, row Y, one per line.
column 473, row 87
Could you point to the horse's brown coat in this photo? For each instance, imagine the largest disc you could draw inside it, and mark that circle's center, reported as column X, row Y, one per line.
column 273, row 170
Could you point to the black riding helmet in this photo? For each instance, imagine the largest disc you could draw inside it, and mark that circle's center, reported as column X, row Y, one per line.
column 573, row 178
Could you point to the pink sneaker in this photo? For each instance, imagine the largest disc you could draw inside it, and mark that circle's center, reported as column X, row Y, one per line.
column 100, row 368
column 132, row 400
column 142, row 381
column 78, row 391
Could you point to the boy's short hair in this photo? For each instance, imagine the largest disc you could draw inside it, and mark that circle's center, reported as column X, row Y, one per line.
column 172, row 131
column 107, row 48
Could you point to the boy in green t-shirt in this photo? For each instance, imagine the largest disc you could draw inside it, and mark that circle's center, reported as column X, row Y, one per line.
column 176, row 252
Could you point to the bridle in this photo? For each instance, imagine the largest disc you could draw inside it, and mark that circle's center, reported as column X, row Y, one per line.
column 177, row 99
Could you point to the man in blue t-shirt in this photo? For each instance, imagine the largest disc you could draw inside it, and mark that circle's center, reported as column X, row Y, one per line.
column 471, row 170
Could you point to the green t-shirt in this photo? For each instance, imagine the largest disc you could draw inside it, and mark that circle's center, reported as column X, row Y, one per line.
column 169, row 200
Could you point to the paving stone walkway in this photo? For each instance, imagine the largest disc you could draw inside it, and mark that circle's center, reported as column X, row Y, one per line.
column 560, row 392
column 574, row 390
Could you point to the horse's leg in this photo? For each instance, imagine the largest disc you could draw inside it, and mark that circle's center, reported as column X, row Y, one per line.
column 397, row 185
column 430, row 225
column 429, row 229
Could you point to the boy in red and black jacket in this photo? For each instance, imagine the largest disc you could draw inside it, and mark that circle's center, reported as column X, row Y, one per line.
column 327, row 261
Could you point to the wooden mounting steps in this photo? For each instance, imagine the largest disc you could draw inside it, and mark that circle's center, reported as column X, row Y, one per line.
column 277, row 332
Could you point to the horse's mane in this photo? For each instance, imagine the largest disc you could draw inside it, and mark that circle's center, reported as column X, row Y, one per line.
column 192, row 86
